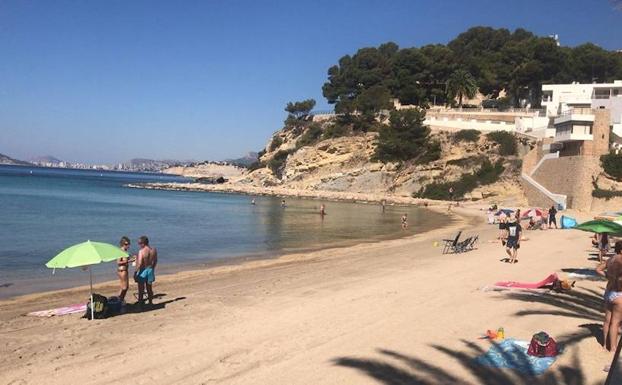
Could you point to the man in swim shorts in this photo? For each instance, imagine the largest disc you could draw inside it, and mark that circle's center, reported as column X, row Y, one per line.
column 513, row 242
column 145, row 269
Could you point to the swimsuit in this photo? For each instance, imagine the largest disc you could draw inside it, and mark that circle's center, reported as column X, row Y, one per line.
column 146, row 275
column 611, row 295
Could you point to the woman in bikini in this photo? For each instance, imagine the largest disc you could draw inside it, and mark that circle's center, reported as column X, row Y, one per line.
column 122, row 265
column 612, row 270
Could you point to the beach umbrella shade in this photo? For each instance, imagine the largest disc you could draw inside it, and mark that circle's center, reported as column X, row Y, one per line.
column 506, row 211
column 86, row 254
column 533, row 212
column 600, row 227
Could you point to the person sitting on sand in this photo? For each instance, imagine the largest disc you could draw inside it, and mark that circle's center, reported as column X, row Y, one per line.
column 145, row 269
column 612, row 270
column 512, row 245
column 404, row 221
column 122, row 268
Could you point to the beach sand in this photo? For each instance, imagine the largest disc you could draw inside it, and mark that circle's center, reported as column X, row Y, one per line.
column 393, row 312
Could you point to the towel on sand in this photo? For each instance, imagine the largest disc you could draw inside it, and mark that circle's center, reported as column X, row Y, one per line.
column 71, row 309
column 551, row 279
column 512, row 354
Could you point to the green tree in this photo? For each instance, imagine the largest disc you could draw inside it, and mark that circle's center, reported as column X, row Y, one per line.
column 405, row 137
column 300, row 109
column 460, row 84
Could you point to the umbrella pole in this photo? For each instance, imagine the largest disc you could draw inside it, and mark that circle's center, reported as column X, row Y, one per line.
column 92, row 305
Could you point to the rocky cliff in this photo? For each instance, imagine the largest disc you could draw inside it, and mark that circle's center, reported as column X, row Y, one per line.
column 10, row 161
column 346, row 164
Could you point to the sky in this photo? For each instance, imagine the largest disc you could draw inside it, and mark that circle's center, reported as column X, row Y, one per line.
column 107, row 81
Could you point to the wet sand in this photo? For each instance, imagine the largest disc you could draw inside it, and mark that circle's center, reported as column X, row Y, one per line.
column 392, row 312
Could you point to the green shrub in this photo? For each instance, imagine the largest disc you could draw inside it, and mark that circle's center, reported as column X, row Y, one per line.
column 312, row 135
column 506, row 141
column 404, row 138
column 467, row 136
column 612, row 164
column 275, row 143
column 335, row 130
column 431, row 153
column 486, row 174
column 277, row 163
column 606, row 194
column 466, row 162
column 255, row 166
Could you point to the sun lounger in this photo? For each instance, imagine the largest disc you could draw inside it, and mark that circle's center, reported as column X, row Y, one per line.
column 450, row 244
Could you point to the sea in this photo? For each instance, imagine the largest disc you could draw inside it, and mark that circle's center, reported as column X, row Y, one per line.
column 45, row 210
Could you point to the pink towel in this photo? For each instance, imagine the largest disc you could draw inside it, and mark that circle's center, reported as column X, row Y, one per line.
column 527, row 285
column 71, row 309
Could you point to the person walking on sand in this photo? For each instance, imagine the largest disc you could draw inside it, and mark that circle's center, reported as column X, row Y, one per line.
column 603, row 246
column 612, row 270
column 404, row 221
column 552, row 219
column 145, row 269
column 512, row 244
column 122, row 268
column 384, row 205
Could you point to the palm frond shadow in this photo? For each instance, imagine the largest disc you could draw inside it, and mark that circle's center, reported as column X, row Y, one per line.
column 395, row 368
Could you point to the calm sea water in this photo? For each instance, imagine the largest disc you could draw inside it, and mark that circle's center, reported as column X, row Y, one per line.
column 43, row 211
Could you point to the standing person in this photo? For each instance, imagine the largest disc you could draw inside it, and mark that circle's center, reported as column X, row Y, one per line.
column 502, row 227
column 603, row 246
column 122, row 268
column 145, row 269
column 513, row 243
column 322, row 210
column 451, row 193
column 612, row 270
column 404, row 221
column 253, row 201
column 552, row 220
column 384, row 204
column 283, row 203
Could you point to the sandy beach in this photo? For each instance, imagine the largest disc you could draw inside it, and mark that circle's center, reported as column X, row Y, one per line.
column 393, row 312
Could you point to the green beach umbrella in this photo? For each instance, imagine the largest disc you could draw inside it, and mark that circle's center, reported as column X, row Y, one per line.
column 600, row 227
column 86, row 254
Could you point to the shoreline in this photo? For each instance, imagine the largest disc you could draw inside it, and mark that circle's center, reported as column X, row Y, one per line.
column 336, row 196
column 324, row 317
column 251, row 261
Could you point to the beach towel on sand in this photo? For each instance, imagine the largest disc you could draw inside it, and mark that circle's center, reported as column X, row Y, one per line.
column 512, row 354
column 71, row 309
column 551, row 279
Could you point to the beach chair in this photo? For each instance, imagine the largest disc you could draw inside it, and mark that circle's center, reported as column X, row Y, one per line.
column 474, row 240
column 463, row 246
column 450, row 244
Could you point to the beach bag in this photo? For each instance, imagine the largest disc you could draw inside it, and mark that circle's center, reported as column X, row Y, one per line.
column 542, row 345
column 114, row 305
column 100, row 307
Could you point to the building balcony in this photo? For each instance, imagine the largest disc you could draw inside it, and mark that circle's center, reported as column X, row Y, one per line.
column 575, row 115
column 569, row 136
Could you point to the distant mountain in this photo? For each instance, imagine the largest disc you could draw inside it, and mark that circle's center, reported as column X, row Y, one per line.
column 8, row 160
column 244, row 161
column 46, row 160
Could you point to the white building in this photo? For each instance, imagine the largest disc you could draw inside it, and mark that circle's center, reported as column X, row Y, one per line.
column 571, row 103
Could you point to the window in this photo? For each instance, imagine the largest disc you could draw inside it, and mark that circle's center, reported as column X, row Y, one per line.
column 601, row 93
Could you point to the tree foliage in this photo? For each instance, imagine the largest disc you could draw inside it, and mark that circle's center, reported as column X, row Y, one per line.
column 506, row 141
column 461, row 84
column 612, row 164
column 498, row 59
column 405, row 137
column 300, row 109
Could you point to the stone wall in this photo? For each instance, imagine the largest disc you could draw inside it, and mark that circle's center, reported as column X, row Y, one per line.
column 571, row 176
column 534, row 196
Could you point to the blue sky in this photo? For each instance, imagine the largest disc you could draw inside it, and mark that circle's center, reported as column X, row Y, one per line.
column 106, row 81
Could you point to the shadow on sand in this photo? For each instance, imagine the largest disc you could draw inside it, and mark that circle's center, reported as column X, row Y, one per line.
column 395, row 368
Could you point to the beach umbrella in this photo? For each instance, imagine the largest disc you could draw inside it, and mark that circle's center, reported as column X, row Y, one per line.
column 600, row 227
column 86, row 254
column 533, row 212
column 506, row 211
